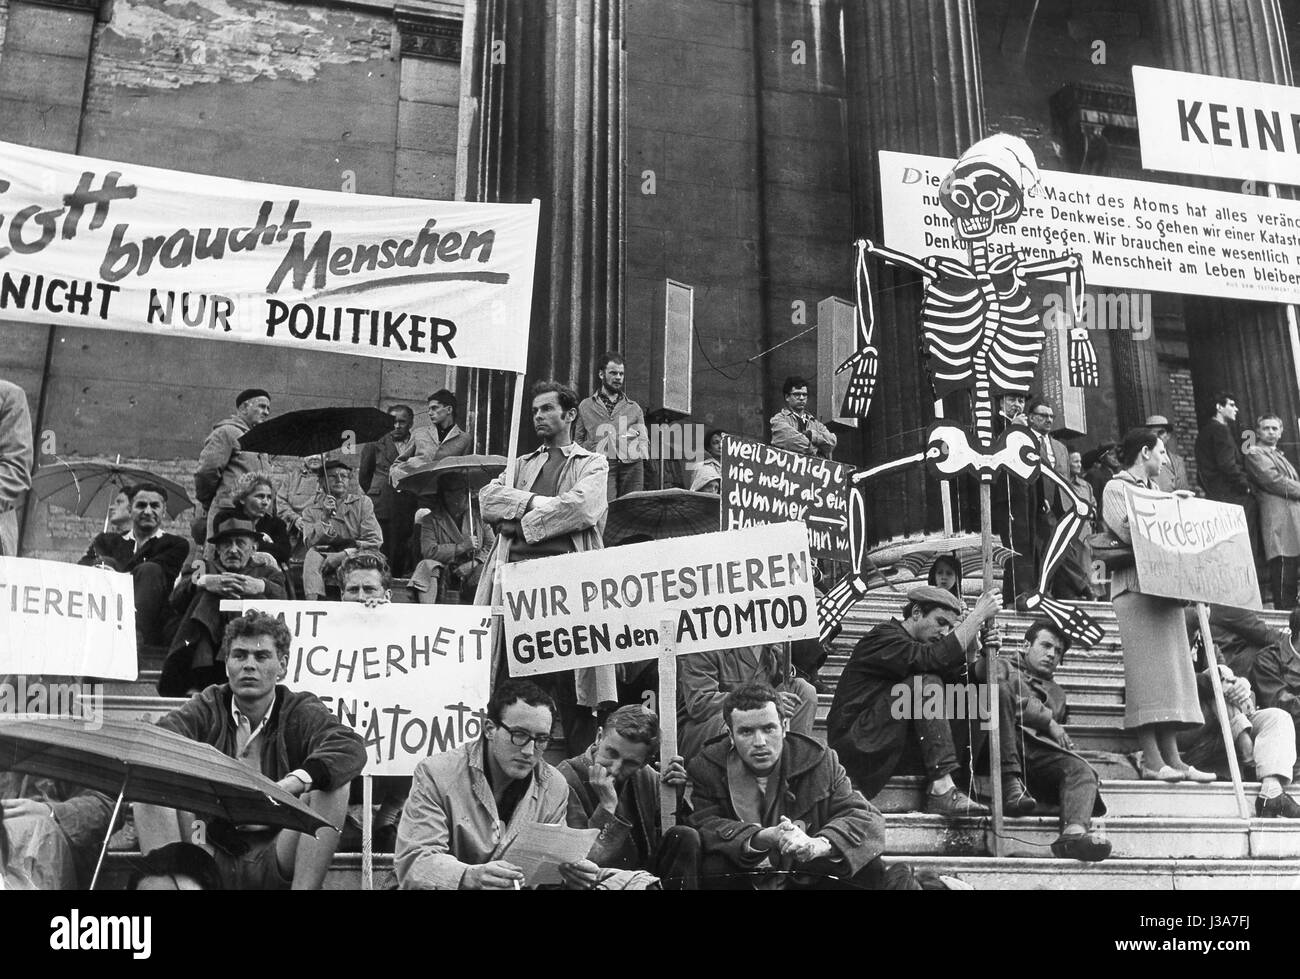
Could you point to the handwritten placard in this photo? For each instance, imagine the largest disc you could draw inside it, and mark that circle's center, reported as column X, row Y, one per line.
column 66, row 620
column 412, row 680
column 735, row 588
column 765, row 485
column 1193, row 549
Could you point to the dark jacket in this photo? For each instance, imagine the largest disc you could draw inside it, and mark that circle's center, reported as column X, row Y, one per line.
column 1218, row 463
column 809, row 787
column 168, row 551
column 630, row 832
column 1275, row 677
column 302, row 733
column 200, row 627
column 861, row 727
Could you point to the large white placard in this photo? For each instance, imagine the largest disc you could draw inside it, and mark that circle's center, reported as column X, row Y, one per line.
column 86, row 242
column 1218, row 127
column 1132, row 235
column 412, row 680
column 737, row 588
column 66, row 620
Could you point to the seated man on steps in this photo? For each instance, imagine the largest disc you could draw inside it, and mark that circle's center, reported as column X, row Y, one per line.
column 151, row 557
column 705, row 679
column 613, row 787
column 468, row 805
column 776, row 810
column 1264, row 739
column 876, row 722
column 1051, row 767
column 288, row 736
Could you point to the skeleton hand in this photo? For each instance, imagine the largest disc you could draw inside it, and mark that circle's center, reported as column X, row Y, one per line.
column 1083, row 360
column 862, row 384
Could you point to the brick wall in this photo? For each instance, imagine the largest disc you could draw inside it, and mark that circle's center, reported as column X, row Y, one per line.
column 1182, row 415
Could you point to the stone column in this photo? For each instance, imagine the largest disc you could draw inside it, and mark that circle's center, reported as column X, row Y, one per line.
column 544, row 119
column 43, row 71
column 914, row 86
column 1239, row 346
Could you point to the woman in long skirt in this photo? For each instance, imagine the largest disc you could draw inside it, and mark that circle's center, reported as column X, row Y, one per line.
column 1159, row 682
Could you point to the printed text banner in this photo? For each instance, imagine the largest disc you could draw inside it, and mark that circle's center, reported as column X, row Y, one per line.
column 736, row 588
column 1196, row 550
column 66, row 620
column 412, row 680
column 762, row 485
column 1131, row 234
column 1218, row 127
column 90, row 243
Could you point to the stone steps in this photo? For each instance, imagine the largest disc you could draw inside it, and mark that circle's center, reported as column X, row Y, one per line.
column 1143, row 838
column 1039, row 874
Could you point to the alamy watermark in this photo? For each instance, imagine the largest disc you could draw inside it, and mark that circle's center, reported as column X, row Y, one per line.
column 671, row 441
column 1129, row 311
column 919, row 699
column 24, row 697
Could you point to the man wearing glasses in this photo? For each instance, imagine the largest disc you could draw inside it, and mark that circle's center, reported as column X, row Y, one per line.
column 467, row 806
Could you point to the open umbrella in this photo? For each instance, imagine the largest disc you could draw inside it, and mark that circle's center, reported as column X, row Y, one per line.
column 660, row 514
column 144, row 763
column 316, row 431
column 85, row 486
column 917, row 554
column 472, row 471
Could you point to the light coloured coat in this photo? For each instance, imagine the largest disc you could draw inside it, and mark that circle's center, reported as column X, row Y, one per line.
column 1277, row 488
column 15, row 461
column 451, row 822
column 577, row 510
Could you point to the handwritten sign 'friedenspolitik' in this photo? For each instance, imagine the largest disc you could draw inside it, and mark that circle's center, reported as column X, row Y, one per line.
column 763, row 485
column 65, row 620
column 1196, row 550
column 736, row 588
column 98, row 244
column 412, row 680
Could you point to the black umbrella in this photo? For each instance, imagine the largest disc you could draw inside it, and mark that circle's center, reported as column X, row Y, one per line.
column 661, row 514
column 140, row 762
column 316, row 431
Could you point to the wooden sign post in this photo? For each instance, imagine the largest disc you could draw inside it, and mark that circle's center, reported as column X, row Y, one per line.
column 667, row 720
column 1221, row 708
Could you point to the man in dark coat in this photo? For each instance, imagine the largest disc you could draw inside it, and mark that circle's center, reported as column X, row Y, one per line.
column 777, row 810
column 614, row 788
column 871, row 723
column 152, row 558
column 1219, row 465
column 1052, row 768
column 192, row 658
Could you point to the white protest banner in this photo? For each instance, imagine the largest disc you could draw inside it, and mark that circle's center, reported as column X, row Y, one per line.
column 736, row 588
column 1193, row 549
column 66, row 620
column 86, row 242
column 1218, row 127
column 1131, row 234
column 412, row 680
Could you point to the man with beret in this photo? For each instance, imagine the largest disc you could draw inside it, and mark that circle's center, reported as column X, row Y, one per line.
column 889, row 698
column 1173, row 472
column 222, row 461
column 335, row 526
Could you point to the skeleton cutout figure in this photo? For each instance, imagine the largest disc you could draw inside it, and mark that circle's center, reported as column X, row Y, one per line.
column 981, row 333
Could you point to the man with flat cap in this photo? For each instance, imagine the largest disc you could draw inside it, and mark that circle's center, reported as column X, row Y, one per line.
column 222, row 461
column 892, row 701
column 1173, row 473
column 335, row 526
column 192, row 661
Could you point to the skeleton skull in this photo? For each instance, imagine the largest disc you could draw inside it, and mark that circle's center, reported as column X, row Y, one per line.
column 980, row 197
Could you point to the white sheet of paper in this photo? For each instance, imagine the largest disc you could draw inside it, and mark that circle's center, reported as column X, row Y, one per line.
column 540, row 848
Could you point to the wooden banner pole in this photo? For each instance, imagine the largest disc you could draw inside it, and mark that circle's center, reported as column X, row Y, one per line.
column 667, row 719
column 367, row 834
column 1221, row 708
column 991, row 670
